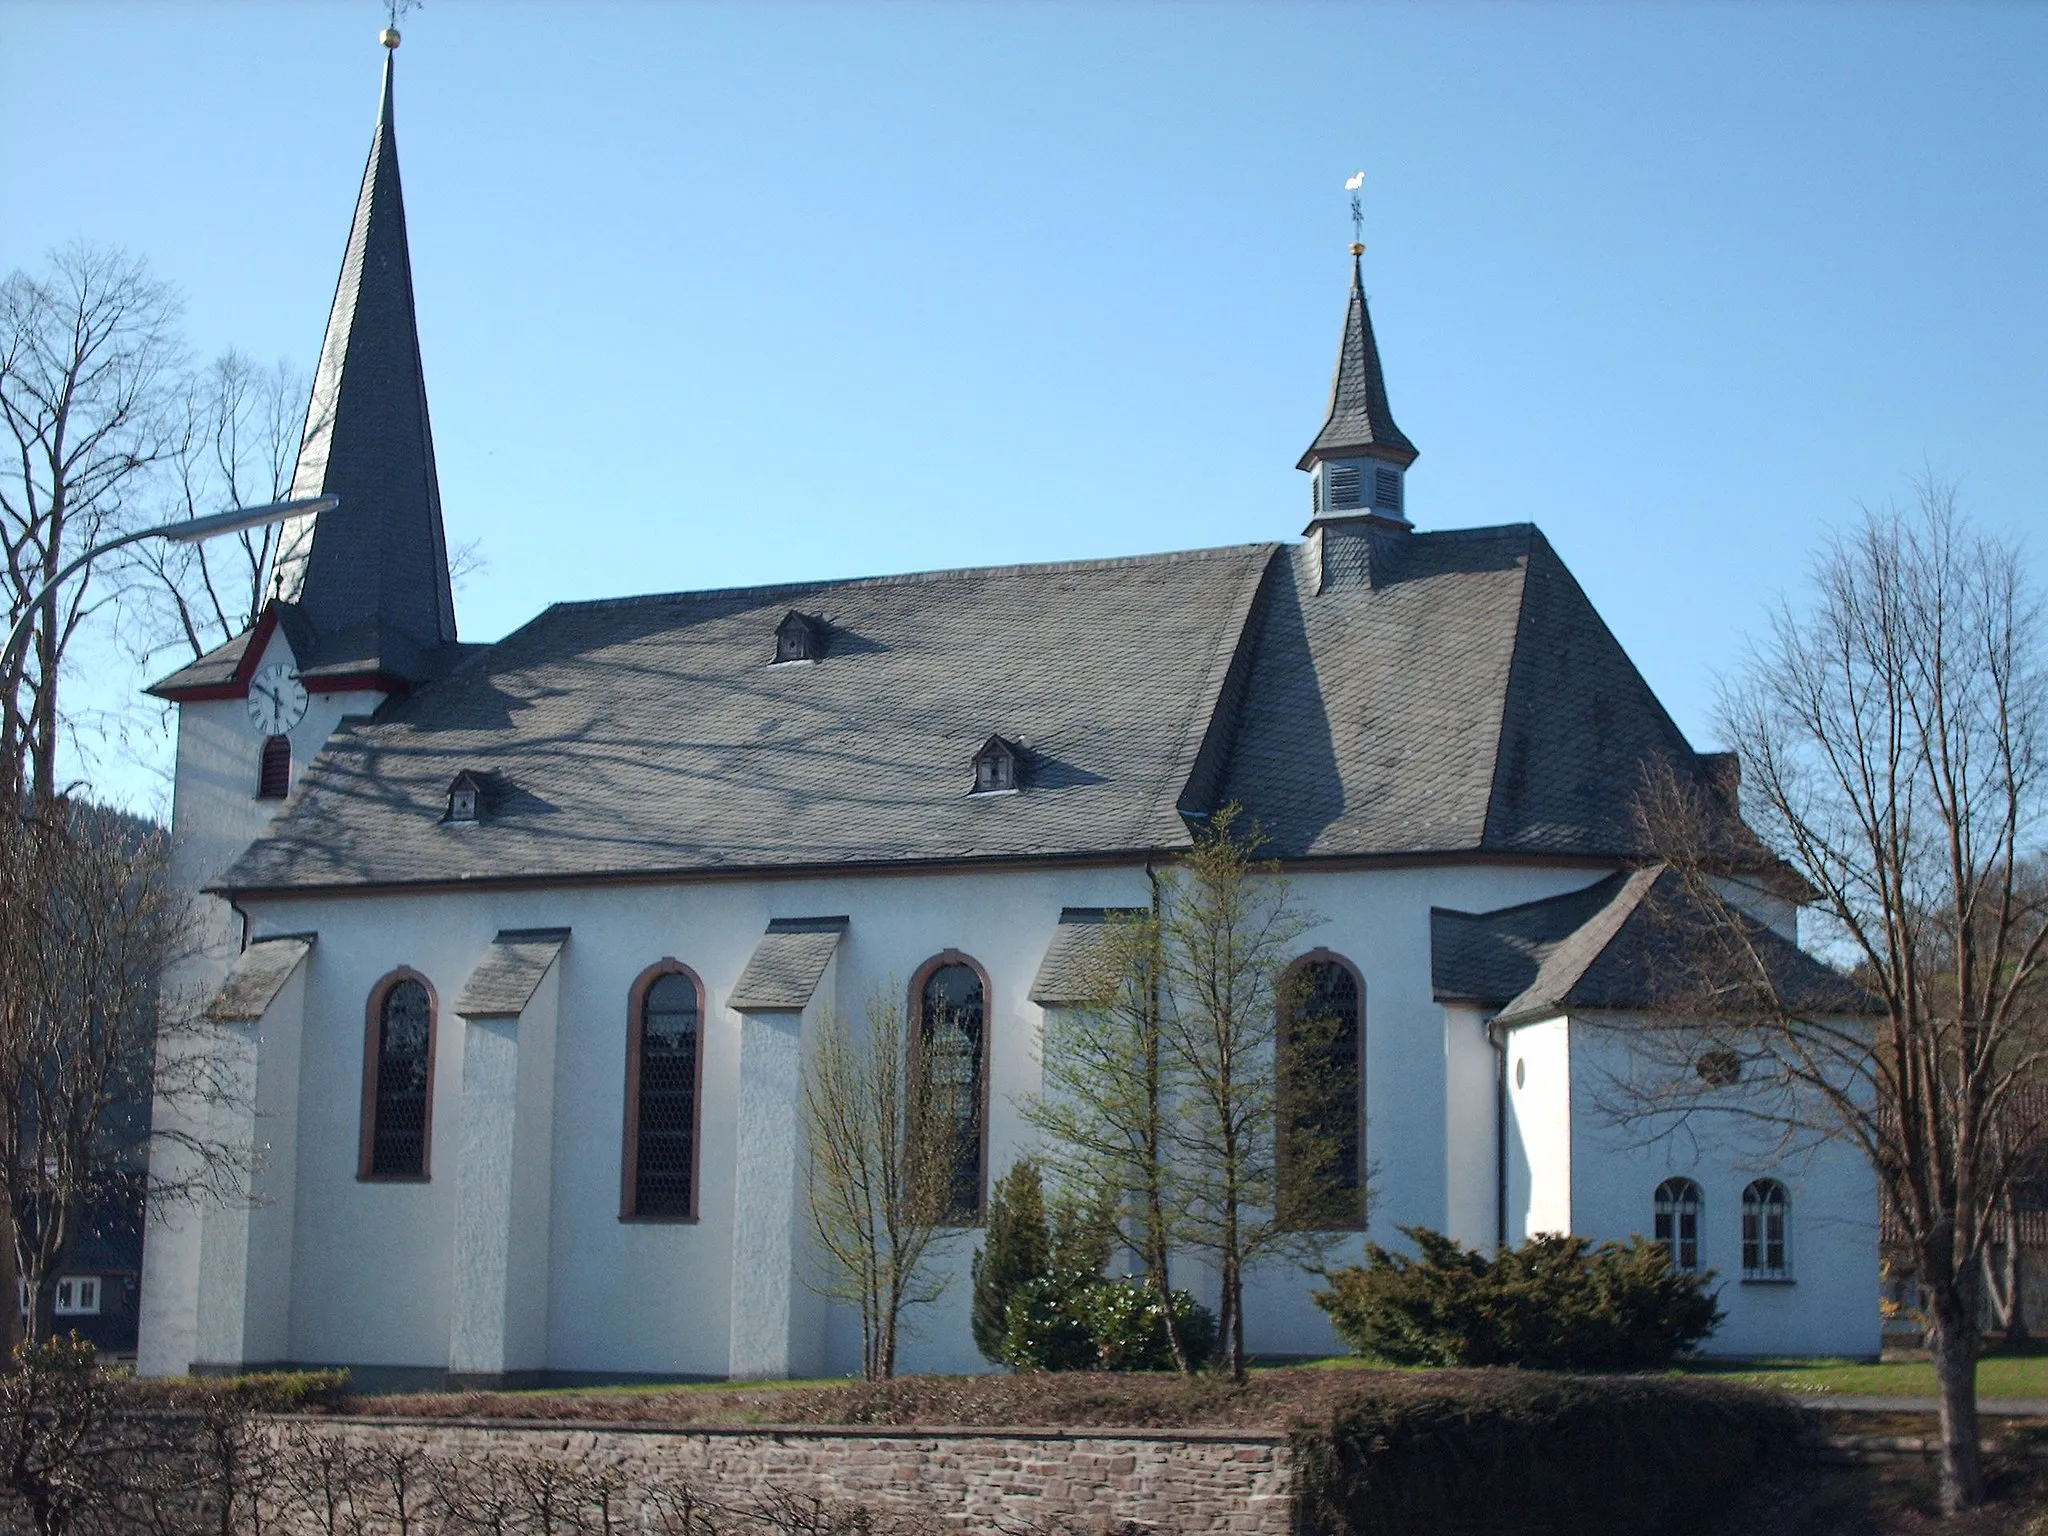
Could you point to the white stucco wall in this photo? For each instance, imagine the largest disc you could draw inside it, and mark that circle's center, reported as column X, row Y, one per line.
column 215, row 813
column 1540, row 1148
column 1829, row 1306
column 1471, row 1129
column 374, row 1263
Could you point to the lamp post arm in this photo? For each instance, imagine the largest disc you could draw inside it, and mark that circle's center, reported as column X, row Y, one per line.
column 189, row 530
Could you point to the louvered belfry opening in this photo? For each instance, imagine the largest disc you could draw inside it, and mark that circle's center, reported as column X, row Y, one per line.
column 405, row 1033
column 665, row 1099
column 1321, row 1099
column 274, row 772
column 952, row 1023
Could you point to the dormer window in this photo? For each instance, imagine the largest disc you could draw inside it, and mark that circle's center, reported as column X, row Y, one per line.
column 463, row 799
column 799, row 637
column 995, row 768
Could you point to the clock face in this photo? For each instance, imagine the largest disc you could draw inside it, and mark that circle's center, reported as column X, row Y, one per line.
column 277, row 699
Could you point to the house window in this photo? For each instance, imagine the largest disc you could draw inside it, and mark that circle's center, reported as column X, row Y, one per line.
column 274, row 771
column 1678, row 1222
column 78, row 1296
column 1386, row 490
column 1322, row 1096
column 1766, row 1255
column 398, row 1080
column 1346, row 485
column 663, row 1073
column 950, row 1019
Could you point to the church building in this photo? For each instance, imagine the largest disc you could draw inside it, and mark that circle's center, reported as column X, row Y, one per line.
column 515, row 949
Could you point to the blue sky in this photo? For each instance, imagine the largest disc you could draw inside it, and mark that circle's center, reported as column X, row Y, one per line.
column 725, row 294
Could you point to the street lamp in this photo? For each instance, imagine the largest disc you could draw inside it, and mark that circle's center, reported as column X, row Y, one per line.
column 190, row 530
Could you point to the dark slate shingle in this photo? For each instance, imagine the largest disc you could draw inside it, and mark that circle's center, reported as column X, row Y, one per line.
column 785, row 968
column 510, row 972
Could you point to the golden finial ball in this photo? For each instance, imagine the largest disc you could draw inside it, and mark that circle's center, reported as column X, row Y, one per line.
column 388, row 37
column 1357, row 249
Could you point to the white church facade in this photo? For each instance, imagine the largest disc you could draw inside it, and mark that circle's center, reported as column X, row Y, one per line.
column 516, row 948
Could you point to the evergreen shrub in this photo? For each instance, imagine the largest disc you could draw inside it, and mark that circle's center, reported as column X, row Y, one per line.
column 1076, row 1321
column 1557, row 1303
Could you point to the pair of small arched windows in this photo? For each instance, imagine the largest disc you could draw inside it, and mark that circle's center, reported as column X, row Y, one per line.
column 1766, row 1210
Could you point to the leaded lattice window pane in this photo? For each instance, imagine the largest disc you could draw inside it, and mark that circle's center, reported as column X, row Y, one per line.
column 1678, row 1221
column 398, row 1138
column 665, row 1132
column 952, row 1016
column 1764, row 1248
column 1321, row 1134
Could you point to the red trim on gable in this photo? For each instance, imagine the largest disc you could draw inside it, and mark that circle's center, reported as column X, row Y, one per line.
column 237, row 687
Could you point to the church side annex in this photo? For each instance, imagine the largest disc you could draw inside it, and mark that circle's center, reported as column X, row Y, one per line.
column 517, row 946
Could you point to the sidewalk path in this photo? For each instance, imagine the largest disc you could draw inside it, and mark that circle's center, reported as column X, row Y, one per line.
column 1989, row 1407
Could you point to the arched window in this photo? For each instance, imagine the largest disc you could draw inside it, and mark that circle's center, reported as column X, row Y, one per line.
column 949, row 1014
column 664, row 1071
column 1322, row 1095
column 1766, row 1252
column 398, row 1079
column 1678, row 1221
column 274, row 772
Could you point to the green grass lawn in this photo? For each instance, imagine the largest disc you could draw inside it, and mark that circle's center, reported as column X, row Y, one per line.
column 2001, row 1375
column 1997, row 1376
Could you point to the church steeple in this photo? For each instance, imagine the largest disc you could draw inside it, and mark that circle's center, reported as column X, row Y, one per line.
column 369, row 580
column 1360, row 458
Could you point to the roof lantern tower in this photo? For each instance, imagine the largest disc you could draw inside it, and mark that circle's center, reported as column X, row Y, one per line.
column 1359, row 461
column 369, row 580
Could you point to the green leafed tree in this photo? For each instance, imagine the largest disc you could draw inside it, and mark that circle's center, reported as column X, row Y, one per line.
column 1017, row 1248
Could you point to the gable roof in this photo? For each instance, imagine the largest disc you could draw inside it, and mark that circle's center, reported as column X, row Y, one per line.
column 1409, row 714
column 652, row 735
column 1631, row 943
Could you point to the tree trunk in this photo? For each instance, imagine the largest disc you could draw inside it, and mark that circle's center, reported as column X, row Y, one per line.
column 2013, row 1280
column 1953, row 1340
column 1156, row 1255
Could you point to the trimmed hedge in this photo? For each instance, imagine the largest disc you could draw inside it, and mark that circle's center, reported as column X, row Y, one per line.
column 1509, row 1453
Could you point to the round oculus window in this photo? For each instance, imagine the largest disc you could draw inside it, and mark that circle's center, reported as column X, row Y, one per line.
column 1522, row 1073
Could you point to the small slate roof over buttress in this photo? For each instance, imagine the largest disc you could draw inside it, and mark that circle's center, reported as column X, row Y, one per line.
column 1078, row 961
column 1466, row 699
column 783, row 972
column 257, row 976
column 510, row 972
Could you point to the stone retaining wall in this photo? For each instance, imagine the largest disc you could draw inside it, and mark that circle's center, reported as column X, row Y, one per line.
column 1018, row 1480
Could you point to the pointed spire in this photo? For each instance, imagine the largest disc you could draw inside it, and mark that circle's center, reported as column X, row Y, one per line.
column 1360, row 423
column 370, row 579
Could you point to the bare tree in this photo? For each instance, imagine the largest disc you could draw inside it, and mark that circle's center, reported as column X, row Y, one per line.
column 1106, row 1110
column 88, row 359
column 1228, row 928
column 882, row 1161
column 91, row 931
column 235, row 443
column 1890, row 740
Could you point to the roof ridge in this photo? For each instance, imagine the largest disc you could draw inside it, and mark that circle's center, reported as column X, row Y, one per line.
column 1601, row 929
column 910, row 578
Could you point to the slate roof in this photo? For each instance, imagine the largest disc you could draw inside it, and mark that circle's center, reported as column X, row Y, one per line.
column 257, row 976
column 785, row 968
column 1359, row 419
column 1468, row 699
column 370, row 578
column 510, row 972
column 652, row 734
column 1630, row 943
column 1071, row 973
